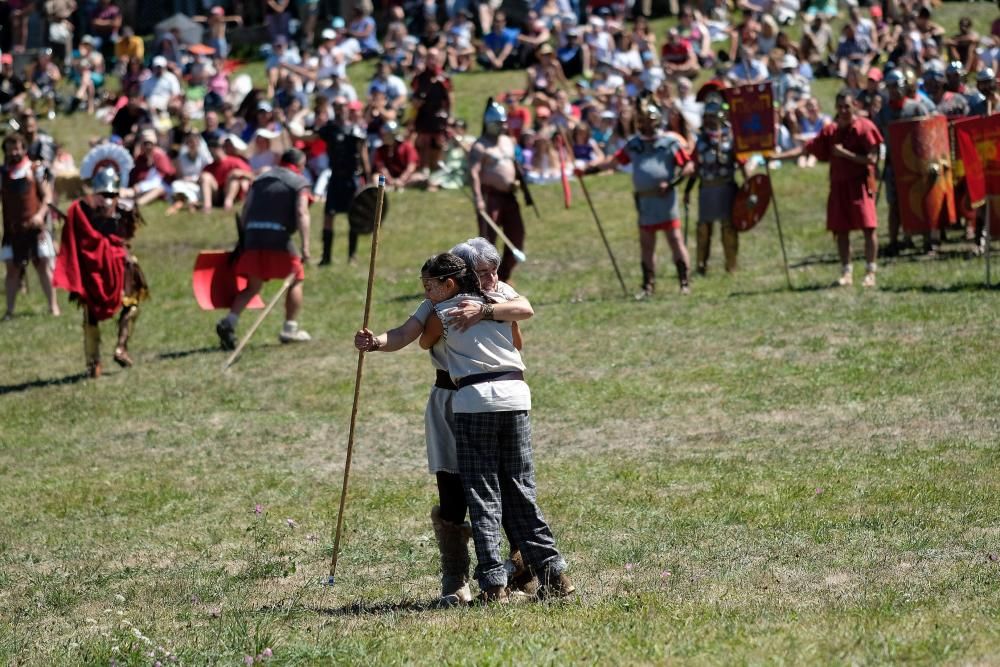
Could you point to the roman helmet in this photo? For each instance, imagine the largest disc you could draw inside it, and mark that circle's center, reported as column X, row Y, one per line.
column 494, row 118
column 105, row 181
column 649, row 117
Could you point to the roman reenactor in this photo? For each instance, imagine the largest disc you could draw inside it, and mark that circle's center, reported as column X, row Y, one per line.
column 494, row 176
column 658, row 162
column 95, row 263
column 903, row 103
column 715, row 171
column 276, row 208
column 25, row 194
column 851, row 146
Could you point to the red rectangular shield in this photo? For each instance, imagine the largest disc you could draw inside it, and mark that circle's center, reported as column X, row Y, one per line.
column 921, row 162
column 751, row 113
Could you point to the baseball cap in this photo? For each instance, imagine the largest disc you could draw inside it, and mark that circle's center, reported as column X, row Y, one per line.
column 159, row 61
column 328, row 34
column 875, row 74
column 265, row 133
column 264, row 106
column 337, row 23
column 237, row 143
column 789, row 62
column 149, row 135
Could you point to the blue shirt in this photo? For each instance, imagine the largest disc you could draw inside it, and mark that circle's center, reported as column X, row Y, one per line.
column 496, row 42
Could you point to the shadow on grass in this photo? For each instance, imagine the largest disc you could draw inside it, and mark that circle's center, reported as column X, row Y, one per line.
column 403, row 298
column 180, row 354
column 37, row 384
column 811, row 287
column 943, row 289
column 940, row 255
column 362, row 608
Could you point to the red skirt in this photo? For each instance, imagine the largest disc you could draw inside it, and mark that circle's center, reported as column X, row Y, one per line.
column 269, row 265
column 850, row 207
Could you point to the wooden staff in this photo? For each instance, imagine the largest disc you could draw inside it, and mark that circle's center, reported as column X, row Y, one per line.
column 357, row 379
column 600, row 227
column 260, row 320
column 777, row 220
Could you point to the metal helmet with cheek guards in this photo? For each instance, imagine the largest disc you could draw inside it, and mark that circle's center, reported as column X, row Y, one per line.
column 955, row 67
column 986, row 74
column 494, row 118
column 105, row 181
column 895, row 79
column 647, row 109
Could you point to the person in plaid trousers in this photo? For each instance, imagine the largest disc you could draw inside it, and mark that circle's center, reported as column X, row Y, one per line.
column 492, row 433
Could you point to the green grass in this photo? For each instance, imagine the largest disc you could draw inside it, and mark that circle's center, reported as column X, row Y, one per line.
column 746, row 475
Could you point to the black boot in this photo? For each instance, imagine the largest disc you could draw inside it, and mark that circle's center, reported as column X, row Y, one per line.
column 682, row 276
column 352, row 246
column 648, row 282
column 327, row 247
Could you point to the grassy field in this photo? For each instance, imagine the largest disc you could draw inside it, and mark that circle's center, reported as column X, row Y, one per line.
column 750, row 474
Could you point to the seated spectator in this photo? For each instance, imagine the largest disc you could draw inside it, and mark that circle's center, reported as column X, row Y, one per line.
column 106, row 24
column 962, row 46
column 12, row 88
column 586, row 151
column 518, row 116
column 161, row 88
column 264, row 156
column 88, row 71
column 339, row 88
column 397, row 158
column 344, row 44
column 872, row 91
column 192, row 158
column 181, row 128
column 544, row 165
column 691, row 29
column 281, row 54
column 643, row 37
column 152, row 171
column 545, row 77
column 129, row 48
column 853, row 50
column 748, row 69
column 767, row 38
column 554, row 12
column 816, row 46
column 130, row 118
column 790, row 87
column 599, row 41
column 362, row 29
column 394, row 88
column 574, row 55
column 810, row 120
column 458, row 38
column 43, row 77
column 530, row 40
column 499, row 46
column 223, row 181
column 677, row 56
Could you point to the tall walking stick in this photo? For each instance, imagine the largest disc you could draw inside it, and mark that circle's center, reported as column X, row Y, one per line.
column 600, row 227
column 357, row 380
column 777, row 220
column 260, row 320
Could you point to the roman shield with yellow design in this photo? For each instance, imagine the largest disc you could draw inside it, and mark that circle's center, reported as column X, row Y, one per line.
column 921, row 161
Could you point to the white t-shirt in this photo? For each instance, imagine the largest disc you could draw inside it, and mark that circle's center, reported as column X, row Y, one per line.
column 159, row 89
column 439, row 352
column 485, row 347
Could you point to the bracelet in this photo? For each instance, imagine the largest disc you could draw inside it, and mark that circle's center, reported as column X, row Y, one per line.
column 487, row 311
column 376, row 344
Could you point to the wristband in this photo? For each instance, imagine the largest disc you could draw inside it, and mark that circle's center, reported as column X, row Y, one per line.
column 487, row 311
column 376, row 344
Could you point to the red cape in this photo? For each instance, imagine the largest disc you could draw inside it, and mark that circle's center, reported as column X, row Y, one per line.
column 90, row 265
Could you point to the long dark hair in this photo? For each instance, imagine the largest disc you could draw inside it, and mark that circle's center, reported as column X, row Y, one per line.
column 447, row 265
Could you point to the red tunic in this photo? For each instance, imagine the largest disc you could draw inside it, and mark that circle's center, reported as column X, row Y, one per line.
column 91, row 265
column 851, row 204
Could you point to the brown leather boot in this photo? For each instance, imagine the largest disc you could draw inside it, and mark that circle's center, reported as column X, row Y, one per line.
column 519, row 577
column 554, row 585
column 453, row 543
column 703, row 247
column 493, row 594
column 730, row 246
column 92, row 347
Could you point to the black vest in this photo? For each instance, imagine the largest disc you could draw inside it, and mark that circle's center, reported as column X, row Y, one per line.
column 273, row 214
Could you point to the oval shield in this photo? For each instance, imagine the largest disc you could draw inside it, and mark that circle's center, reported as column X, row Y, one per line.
column 751, row 202
column 361, row 217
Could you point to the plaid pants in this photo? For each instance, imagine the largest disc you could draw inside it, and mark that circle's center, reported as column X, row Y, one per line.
column 495, row 462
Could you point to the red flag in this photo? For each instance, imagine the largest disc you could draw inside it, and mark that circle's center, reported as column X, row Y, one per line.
column 567, row 193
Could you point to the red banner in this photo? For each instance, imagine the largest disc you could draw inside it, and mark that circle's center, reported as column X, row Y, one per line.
column 921, row 162
column 751, row 113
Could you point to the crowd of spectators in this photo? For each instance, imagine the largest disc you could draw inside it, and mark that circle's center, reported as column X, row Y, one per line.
column 201, row 130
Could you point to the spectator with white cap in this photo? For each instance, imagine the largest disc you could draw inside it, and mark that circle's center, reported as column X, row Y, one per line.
column 264, row 157
column 161, row 87
column 152, row 170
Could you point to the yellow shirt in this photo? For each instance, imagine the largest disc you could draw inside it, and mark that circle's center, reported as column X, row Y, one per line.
column 130, row 47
